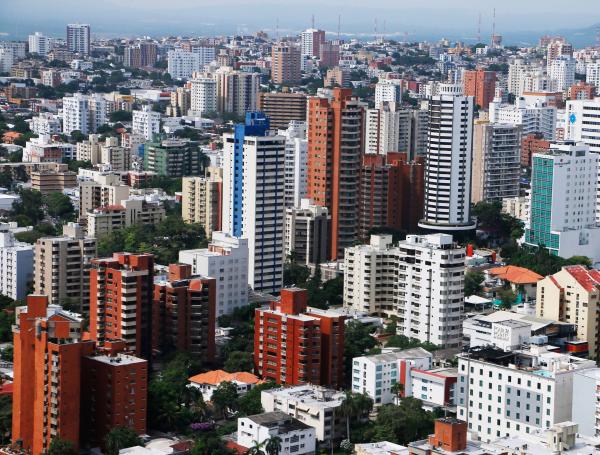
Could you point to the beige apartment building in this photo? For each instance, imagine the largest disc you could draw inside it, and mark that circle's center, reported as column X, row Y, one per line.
column 103, row 220
column 53, row 181
column 61, row 267
column 201, row 200
column 285, row 64
column 572, row 295
column 105, row 190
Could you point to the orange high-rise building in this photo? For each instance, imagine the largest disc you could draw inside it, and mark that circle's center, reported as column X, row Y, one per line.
column 530, row 144
column 47, row 380
column 121, row 301
column 392, row 193
column 481, row 85
column 335, row 143
column 294, row 344
column 116, row 387
column 184, row 313
column 62, row 389
column 286, row 63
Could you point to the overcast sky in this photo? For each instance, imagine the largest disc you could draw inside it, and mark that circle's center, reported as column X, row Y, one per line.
column 205, row 17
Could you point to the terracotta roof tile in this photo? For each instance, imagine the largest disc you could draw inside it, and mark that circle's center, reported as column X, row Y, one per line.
column 516, row 275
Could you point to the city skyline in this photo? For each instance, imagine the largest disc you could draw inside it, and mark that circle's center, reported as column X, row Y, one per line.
column 429, row 19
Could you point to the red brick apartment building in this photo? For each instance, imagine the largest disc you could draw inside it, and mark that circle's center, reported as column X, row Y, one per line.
column 295, row 344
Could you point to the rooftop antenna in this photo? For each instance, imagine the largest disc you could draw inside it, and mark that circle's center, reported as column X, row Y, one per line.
column 277, row 29
column 479, row 29
column 339, row 26
column 375, row 28
column 598, row 37
column 313, row 21
column 384, row 28
column 494, row 27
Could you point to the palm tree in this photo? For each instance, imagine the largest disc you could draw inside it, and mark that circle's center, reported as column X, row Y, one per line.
column 256, row 449
column 398, row 389
column 354, row 405
column 273, row 445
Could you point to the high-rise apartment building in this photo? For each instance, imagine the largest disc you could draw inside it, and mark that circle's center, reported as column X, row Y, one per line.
column 582, row 123
column 307, row 232
column 507, row 394
column 534, row 116
column 61, row 267
column 420, row 282
column 102, row 221
column 562, row 70
column 496, row 161
column 84, row 113
column 481, row 85
column 296, row 156
column 449, row 154
column 16, row 266
column 388, row 91
column 173, row 158
column 78, row 38
column 254, row 196
column 311, row 41
column 146, row 122
column 285, row 64
column 181, row 102
column 558, row 47
column 295, row 344
column 183, row 64
column 387, row 129
column 419, row 131
column 572, row 295
column 592, row 74
column 184, row 313
column 335, row 144
column 226, row 260
column 329, row 56
column 201, row 199
column 204, row 96
column 140, row 55
column 391, row 192
column 237, row 91
column 121, row 301
column 48, row 352
column 282, row 108
column 106, row 190
column 564, row 201
column 39, row 44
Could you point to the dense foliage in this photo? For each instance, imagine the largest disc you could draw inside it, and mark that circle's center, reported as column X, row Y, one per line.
column 164, row 239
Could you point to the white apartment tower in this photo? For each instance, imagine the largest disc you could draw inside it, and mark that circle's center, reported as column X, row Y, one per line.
column 253, row 199
column 448, row 166
column 83, row 113
column 388, row 90
column 562, row 70
column 420, row 281
column 39, row 44
column 204, row 96
column 78, row 38
column 296, row 156
column 387, row 129
column 226, row 260
column 183, row 64
column 507, row 394
column 534, row 116
column 16, row 266
column 146, row 122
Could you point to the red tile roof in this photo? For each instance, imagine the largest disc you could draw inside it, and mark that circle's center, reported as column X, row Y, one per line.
column 588, row 279
column 215, row 377
column 516, row 275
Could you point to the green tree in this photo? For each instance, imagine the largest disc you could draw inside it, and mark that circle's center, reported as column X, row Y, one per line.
column 507, row 298
column 357, row 342
column 59, row 206
column 354, row 406
column 404, row 423
column 225, row 398
column 75, row 165
column 239, row 361
column 28, row 210
column 250, row 402
column 120, row 438
column 473, row 280
column 256, row 449
column 5, row 419
column 121, row 116
column 77, row 136
column 273, row 445
column 61, row 447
